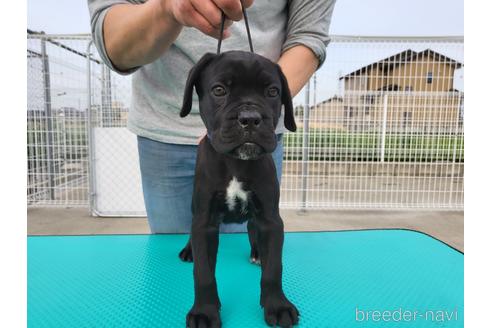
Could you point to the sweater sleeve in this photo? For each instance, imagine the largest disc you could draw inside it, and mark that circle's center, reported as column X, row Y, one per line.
column 308, row 24
column 98, row 10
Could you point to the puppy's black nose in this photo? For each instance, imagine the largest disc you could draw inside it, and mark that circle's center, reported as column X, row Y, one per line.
column 249, row 119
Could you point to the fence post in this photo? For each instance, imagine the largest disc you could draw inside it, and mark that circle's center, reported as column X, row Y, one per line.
column 49, row 119
column 90, row 137
column 305, row 148
column 383, row 132
column 106, row 96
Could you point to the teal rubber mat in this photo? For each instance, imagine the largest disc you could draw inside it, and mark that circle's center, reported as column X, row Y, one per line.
column 336, row 279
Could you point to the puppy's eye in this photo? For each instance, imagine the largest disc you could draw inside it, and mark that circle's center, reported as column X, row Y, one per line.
column 272, row 92
column 219, row 91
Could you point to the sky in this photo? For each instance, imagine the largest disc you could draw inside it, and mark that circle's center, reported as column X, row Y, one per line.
column 352, row 17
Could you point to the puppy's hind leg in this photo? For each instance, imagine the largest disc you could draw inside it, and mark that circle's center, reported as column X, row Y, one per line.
column 254, row 256
column 186, row 254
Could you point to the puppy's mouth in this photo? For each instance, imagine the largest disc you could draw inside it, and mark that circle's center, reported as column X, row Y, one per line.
column 248, row 151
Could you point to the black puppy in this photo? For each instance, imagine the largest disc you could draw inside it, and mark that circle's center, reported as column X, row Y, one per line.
column 240, row 96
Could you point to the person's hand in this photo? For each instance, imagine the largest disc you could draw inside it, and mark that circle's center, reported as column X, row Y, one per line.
column 206, row 15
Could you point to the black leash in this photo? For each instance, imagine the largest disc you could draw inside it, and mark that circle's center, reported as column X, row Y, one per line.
column 247, row 30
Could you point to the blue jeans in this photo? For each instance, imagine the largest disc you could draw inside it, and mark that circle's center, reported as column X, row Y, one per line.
column 167, row 172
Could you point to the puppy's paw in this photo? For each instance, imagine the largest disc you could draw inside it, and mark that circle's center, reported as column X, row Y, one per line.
column 186, row 254
column 279, row 311
column 254, row 257
column 203, row 316
column 255, row 260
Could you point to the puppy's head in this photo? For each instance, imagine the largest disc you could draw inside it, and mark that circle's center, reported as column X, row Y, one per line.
column 240, row 96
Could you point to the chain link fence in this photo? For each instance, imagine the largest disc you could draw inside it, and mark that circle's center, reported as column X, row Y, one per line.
column 380, row 126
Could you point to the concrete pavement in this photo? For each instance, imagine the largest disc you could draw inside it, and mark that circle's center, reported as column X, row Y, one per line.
column 447, row 226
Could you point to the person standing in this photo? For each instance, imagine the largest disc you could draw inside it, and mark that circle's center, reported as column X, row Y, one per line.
column 159, row 41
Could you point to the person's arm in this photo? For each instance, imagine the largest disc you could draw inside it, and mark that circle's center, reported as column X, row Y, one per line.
column 298, row 65
column 304, row 49
column 129, row 33
column 137, row 34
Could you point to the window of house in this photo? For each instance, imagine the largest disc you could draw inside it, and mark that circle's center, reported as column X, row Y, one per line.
column 391, row 87
column 408, row 88
column 461, row 111
column 407, row 117
column 429, row 77
column 348, row 111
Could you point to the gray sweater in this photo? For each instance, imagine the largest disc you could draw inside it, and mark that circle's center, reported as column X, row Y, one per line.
column 157, row 88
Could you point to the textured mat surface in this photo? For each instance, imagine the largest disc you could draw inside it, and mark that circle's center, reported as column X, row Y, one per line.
column 334, row 278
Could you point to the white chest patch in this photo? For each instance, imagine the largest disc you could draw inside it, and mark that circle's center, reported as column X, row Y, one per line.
column 235, row 193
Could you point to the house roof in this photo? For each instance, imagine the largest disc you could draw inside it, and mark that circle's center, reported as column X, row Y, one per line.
column 329, row 100
column 406, row 56
column 334, row 98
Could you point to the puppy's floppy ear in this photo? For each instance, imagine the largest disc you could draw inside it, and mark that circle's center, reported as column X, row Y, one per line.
column 191, row 82
column 289, row 120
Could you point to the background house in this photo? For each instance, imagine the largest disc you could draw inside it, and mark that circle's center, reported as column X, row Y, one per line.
column 406, row 71
column 328, row 114
column 409, row 91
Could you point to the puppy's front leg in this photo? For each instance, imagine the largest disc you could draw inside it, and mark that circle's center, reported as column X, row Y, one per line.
column 204, row 242
column 278, row 310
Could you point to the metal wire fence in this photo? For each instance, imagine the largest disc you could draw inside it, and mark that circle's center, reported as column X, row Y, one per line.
column 57, row 148
column 380, row 126
column 384, row 127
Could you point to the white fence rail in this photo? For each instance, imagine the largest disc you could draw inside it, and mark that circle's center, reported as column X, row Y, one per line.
column 380, row 126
